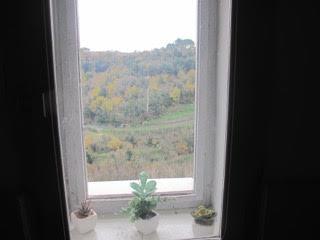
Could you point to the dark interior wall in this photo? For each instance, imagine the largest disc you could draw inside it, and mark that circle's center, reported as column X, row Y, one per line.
column 293, row 102
column 30, row 181
column 291, row 172
column 250, row 85
column 273, row 149
column 11, row 163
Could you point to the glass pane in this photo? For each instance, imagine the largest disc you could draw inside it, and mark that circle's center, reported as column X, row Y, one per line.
column 138, row 87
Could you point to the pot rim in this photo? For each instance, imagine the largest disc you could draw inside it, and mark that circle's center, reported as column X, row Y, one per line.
column 149, row 219
column 90, row 216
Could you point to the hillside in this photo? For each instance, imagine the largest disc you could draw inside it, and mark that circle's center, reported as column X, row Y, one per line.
column 139, row 112
column 130, row 87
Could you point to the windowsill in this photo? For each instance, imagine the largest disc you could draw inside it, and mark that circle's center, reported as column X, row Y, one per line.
column 114, row 188
column 173, row 225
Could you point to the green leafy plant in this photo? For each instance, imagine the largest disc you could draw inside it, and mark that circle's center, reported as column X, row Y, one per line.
column 203, row 215
column 85, row 210
column 143, row 203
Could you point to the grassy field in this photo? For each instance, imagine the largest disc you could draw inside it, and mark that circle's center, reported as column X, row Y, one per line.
column 163, row 147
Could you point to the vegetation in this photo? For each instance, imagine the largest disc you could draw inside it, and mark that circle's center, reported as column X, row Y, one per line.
column 163, row 147
column 143, row 203
column 139, row 111
column 123, row 88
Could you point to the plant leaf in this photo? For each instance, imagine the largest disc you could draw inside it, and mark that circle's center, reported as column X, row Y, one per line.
column 139, row 195
column 136, row 187
column 151, row 186
column 143, row 179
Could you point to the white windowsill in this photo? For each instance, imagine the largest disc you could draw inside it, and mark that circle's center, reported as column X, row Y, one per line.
column 173, row 225
column 164, row 185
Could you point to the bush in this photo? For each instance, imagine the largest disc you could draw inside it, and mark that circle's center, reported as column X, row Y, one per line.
column 88, row 115
column 129, row 155
column 90, row 157
column 131, row 139
column 175, row 94
column 190, row 143
column 187, row 97
column 114, row 144
column 182, row 148
column 149, row 141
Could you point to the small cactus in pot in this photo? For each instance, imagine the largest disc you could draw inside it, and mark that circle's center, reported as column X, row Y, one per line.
column 85, row 210
column 84, row 218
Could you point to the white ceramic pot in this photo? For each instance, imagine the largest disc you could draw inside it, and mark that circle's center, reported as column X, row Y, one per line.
column 147, row 226
column 86, row 224
column 202, row 230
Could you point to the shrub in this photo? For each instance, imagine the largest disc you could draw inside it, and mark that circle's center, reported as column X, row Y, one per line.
column 175, row 94
column 182, row 148
column 129, row 155
column 151, row 143
column 101, row 116
column 187, row 97
column 89, row 157
column 190, row 143
column 88, row 141
column 114, row 144
column 131, row 139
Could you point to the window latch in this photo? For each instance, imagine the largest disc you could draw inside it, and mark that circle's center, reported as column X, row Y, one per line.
column 44, row 108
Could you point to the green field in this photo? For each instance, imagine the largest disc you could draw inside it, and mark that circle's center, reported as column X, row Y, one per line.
column 161, row 146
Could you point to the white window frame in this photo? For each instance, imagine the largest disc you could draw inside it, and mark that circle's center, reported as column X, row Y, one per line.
column 213, row 49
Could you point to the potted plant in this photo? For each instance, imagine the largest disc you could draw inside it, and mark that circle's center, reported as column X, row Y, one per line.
column 203, row 215
column 85, row 218
column 141, row 208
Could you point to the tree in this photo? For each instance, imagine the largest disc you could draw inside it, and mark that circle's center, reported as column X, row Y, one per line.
column 175, row 94
column 159, row 102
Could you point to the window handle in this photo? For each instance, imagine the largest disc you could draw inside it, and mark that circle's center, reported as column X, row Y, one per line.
column 44, row 109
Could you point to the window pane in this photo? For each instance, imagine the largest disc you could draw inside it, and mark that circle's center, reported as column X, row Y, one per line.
column 138, row 87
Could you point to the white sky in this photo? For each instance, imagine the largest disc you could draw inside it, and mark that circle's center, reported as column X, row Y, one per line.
column 129, row 25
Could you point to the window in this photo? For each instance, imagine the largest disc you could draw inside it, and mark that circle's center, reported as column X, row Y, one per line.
column 113, row 105
column 138, row 93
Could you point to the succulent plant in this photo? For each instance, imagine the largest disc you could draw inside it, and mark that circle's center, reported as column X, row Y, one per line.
column 143, row 203
column 203, row 215
column 85, row 210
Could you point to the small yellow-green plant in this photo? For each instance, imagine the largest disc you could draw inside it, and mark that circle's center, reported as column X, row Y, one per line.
column 143, row 203
column 203, row 215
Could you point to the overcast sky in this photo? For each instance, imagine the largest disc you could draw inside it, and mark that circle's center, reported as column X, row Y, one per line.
column 135, row 25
